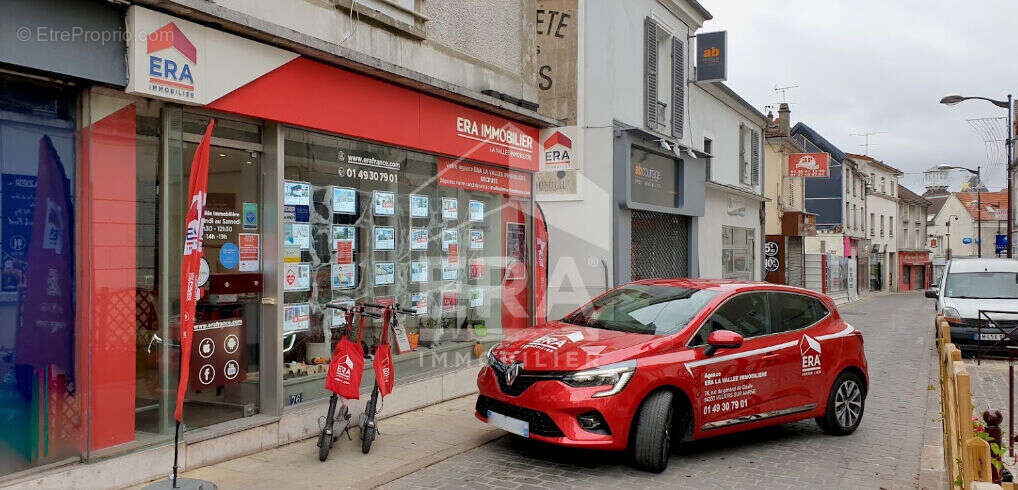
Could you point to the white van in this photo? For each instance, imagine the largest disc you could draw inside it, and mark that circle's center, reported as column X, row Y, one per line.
column 973, row 285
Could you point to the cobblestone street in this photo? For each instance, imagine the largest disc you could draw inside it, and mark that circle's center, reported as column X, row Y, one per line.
column 885, row 452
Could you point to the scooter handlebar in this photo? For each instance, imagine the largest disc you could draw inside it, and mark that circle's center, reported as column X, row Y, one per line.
column 336, row 306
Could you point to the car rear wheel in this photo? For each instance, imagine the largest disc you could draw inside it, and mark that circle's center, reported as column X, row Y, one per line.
column 845, row 406
column 652, row 442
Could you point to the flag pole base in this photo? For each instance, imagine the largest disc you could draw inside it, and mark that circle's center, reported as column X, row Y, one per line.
column 182, row 483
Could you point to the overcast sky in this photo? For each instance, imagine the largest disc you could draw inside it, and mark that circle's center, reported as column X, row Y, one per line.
column 867, row 66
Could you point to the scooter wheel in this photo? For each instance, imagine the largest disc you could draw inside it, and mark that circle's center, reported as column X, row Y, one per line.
column 324, row 445
column 367, row 437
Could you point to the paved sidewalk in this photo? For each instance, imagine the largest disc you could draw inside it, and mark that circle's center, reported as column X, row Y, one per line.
column 409, row 442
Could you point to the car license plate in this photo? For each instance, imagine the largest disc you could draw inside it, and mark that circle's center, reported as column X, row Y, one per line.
column 989, row 336
column 509, row 424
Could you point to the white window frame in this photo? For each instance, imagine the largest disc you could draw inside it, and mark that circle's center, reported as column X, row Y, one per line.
column 747, row 249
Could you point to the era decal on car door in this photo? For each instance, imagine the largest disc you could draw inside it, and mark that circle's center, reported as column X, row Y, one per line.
column 810, row 350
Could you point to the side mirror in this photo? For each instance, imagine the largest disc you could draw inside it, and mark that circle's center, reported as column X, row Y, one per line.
column 722, row 339
column 932, row 293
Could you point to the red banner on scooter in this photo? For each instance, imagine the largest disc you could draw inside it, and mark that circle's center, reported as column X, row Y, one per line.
column 346, row 368
column 385, row 371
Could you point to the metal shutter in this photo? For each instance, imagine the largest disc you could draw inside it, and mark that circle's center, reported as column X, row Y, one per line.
column 650, row 72
column 678, row 86
column 814, row 273
column 794, row 262
column 660, row 247
column 754, row 144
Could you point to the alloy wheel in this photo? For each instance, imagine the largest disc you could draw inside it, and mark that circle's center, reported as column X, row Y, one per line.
column 848, row 403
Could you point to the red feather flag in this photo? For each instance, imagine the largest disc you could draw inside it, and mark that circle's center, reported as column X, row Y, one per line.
column 191, row 263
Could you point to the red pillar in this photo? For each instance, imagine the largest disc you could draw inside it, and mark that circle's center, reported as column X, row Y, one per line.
column 110, row 195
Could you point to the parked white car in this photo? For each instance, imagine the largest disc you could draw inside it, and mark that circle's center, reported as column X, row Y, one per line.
column 971, row 286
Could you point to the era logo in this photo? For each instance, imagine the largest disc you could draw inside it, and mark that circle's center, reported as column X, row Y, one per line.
column 557, row 148
column 171, row 71
column 711, row 52
column 810, row 362
column 810, row 350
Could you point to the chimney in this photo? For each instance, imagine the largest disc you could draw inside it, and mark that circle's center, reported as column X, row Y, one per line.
column 784, row 115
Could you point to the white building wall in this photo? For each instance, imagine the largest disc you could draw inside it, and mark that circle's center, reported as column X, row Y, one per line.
column 613, row 83
column 962, row 225
column 610, row 90
column 854, row 216
column 580, row 234
column 713, row 116
column 719, row 203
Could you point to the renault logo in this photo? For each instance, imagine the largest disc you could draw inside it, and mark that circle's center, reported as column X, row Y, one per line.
column 512, row 372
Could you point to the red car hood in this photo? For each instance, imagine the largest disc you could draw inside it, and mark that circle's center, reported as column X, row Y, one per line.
column 558, row 346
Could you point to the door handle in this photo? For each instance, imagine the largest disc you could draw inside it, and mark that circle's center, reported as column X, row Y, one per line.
column 770, row 357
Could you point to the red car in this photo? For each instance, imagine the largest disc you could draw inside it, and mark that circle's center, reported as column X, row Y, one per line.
column 683, row 359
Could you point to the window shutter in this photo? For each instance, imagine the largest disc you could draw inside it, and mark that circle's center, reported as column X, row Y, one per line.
column 650, row 72
column 755, row 149
column 678, row 86
column 742, row 153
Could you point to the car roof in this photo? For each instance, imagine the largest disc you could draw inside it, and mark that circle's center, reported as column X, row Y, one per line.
column 983, row 265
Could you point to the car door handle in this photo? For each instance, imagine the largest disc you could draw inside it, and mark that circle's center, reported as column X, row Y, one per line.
column 771, row 357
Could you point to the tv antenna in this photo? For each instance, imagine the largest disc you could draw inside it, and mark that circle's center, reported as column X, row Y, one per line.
column 866, row 140
column 784, row 91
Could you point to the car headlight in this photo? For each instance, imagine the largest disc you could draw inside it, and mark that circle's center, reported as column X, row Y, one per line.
column 615, row 375
column 951, row 314
column 490, row 356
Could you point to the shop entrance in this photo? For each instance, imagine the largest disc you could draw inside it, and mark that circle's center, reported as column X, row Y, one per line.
column 225, row 354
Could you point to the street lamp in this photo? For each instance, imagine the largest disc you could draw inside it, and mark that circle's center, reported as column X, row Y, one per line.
column 948, row 224
column 979, row 202
column 1009, row 152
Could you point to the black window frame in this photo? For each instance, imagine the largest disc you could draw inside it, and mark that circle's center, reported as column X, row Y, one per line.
column 706, row 322
column 819, row 316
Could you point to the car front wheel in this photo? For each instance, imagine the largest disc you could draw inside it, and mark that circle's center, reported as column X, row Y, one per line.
column 652, row 442
column 845, row 405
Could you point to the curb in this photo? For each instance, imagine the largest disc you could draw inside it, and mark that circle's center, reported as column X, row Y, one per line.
column 430, row 459
column 932, row 470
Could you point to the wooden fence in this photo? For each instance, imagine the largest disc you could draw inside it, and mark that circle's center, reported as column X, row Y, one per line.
column 967, row 456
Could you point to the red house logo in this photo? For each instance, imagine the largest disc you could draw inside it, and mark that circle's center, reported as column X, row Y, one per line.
column 171, row 72
column 557, row 149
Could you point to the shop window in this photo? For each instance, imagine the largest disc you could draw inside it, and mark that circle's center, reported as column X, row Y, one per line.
column 42, row 364
column 459, row 257
column 737, row 252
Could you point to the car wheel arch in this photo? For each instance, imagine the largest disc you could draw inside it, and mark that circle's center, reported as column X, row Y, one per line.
column 682, row 406
column 852, row 368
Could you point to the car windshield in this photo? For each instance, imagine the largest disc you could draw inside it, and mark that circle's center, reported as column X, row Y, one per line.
column 642, row 308
column 982, row 285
